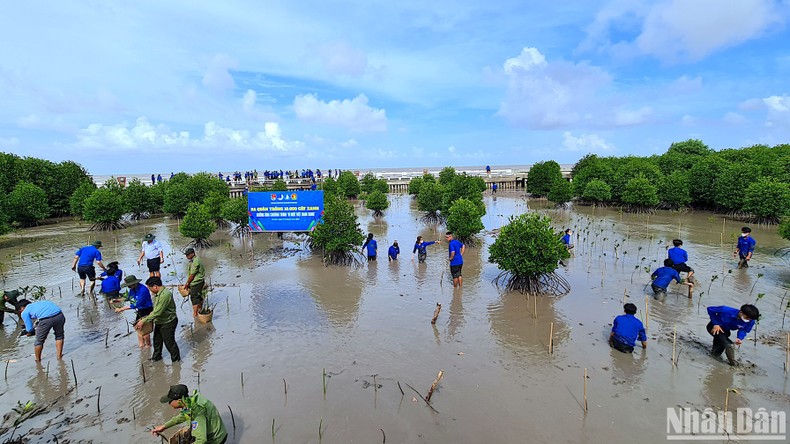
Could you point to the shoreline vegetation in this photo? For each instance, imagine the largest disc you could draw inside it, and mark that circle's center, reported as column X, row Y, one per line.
column 751, row 184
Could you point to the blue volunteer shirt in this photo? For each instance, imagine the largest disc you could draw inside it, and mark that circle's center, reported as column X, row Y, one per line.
column 664, row 275
column 746, row 245
column 87, row 255
column 393, row 252
column 456, row 245
column 678, row 255
column 140, row 298
column 38, row 310
column 728, row 319
column 110, row 284
column 118, row 274
column 628, row 329
column 566, row 239
column 422, row 247
column 372, row 247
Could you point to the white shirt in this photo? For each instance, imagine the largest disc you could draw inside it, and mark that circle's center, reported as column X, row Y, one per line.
column 151, row 249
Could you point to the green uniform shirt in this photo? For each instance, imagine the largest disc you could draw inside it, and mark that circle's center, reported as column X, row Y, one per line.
column 164, row 308
column 196, row 267
column 205, row 423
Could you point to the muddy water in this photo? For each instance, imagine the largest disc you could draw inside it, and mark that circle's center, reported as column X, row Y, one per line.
column 282, row 315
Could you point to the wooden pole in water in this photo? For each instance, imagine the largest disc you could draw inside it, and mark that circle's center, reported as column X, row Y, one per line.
column 433, row 386
column 585, row 389
column 647, row 311
column 551, row 339
column 535, row 313
column 436, row 312
column 73, row 371
column 98, row 401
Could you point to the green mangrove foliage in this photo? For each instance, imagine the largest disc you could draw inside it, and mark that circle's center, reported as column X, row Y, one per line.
column 528, row 251
column 339, row 236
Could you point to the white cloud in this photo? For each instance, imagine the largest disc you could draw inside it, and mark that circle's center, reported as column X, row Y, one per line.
column 777, row 109
column 734, row 118
column 11, row 142
column 354, row 114
column 339, row 58
column 217, row 77
column 686, row 85
column 585, row 143
column 350, row 143
column 451, row 149
column 688, row 120
column 548, row 95
column 629, row 117
column 248, row 102
column 146, row 137
column 674, row 30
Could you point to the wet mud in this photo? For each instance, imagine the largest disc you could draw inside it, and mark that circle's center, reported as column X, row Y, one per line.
column 294, row 344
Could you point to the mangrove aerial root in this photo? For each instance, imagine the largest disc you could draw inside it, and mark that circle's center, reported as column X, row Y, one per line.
column 548, row 283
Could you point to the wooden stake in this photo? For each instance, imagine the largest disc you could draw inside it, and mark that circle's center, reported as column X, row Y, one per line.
column 436, row 312
column 433, row 386
column 98, row 402
column 73, row 371
column 647, row 311
column 585, row 389
column 535, row 312
column 142, row 370
column 551, row 339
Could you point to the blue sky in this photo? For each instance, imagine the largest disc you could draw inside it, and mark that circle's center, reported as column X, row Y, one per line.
column 136, row 87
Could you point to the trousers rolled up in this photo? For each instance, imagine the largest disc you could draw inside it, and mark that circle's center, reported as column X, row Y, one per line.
column 166, row 334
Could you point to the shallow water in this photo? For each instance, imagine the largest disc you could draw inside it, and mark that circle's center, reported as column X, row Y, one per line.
column 281, row 314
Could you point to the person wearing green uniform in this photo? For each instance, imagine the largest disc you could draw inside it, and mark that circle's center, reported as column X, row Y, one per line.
column 205, row 424
column 164, row 319
column 9, row 297
column 195, row 280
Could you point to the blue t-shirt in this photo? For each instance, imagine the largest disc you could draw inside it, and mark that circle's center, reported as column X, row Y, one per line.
column 728, row 319
column 746, row 245
column 139, row 297
column 566, row 239
column 628, row 329
column 456, row 245
column 110, row 284
column 372, row 246
column 664, row 275
column 422, row 247
column 393, row 252
column 38, row 310
column 678, row 255
column 87, row 255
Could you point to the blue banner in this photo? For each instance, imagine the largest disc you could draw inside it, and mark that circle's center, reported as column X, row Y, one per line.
column 285, row 210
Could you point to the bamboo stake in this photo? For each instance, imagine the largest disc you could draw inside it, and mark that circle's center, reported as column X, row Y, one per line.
column 8, row 361
column 233, row 420
column 787, row 358
column 647, row 311
column 535, row 312
column 436, row 312
column 433, row 386
column 551, row 339
column 142, row 370
column 585, row 389
column 674, row 345
column 98, row 402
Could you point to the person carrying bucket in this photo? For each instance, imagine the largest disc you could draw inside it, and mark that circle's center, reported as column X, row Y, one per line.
column 140, row 300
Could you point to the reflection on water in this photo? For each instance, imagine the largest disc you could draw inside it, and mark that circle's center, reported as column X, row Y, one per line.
column 282, row 315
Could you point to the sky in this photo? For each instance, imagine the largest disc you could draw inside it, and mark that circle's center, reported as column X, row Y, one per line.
column 145, row 86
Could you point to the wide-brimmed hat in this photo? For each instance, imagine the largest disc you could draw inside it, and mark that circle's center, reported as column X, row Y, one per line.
column 149, row 237
column 175, row 393
column 96, row 244
column 130, row 280
column 189, row 250
column 11, row 294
